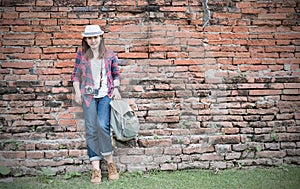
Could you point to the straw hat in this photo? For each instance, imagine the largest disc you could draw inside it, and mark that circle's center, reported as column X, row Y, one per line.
column 92, row 30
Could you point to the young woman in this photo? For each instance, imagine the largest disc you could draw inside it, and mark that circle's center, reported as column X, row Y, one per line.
column 96, row 80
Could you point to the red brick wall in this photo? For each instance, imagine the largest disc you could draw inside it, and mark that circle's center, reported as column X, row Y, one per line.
column 215, row 84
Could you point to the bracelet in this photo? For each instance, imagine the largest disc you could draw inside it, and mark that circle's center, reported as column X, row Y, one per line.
column 118, row 87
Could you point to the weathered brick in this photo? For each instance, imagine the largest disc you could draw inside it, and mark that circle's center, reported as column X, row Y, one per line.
column 197, row 149
column 155, row 142
column 18, row 42
column 168, row 167
column 35, row 154
column 288, row 136
column 132, row 159
column 174, row 151
column 77, row 153
column 13, row 154
column 67, row 122
column 133, row 55
column 34, row 15
column 230, row 130
column 55, row 153
column 224, row 139
column 153, row 151
column 59, row 50
column 162, row 159
column 265, row 92
column 271, row 154
column 44, row 3
column 292, row 85
column 211, row 157
column 232, row 156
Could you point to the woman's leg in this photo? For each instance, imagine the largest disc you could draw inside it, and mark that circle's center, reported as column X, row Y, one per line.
column 92, row 130
column 92, row 127
column 97, row 138
column 109, row 159
column 104, row 113
column 96, row 177
column 96, row 164
column 104, row 119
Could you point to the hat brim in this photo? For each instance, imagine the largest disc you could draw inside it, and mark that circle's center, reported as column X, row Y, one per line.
column 91, row 34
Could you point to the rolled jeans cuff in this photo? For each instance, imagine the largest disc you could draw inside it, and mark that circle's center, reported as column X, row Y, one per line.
column 106, row 154
column 95, row 158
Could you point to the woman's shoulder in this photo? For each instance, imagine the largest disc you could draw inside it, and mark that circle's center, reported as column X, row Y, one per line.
column 80, row 57
column 110, row 53
column 79, row 52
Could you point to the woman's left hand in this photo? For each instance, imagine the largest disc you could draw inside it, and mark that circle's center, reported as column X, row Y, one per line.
column 116, row 94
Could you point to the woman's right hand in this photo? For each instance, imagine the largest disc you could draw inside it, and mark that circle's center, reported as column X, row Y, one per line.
column 78, row 98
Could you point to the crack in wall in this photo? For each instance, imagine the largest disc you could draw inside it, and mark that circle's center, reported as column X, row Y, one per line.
column 206, row 13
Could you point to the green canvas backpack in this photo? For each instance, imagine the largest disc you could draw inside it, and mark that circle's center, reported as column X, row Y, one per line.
column 123, row 121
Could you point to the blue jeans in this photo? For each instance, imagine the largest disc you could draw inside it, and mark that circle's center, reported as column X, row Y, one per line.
column 97, row 122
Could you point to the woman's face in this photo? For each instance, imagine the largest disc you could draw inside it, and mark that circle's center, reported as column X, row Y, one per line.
column 94, row 41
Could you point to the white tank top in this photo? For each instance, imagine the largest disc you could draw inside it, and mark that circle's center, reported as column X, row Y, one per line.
column 96, row 66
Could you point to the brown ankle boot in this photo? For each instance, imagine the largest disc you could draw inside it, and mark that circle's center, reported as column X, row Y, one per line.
column 96, row 176
column 112, row 171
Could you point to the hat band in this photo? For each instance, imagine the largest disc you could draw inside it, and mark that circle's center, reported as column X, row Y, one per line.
column 93, row 33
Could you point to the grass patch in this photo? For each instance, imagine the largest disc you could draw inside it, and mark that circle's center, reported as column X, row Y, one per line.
column 252, row 178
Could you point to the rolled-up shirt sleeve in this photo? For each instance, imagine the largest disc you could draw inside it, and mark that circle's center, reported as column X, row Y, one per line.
column 75, row 75
column 115, row 68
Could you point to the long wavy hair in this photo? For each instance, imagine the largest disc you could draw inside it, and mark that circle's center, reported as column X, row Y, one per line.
column 87, row 52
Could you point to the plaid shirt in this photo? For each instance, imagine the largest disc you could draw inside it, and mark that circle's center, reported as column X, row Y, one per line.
column 83, row 74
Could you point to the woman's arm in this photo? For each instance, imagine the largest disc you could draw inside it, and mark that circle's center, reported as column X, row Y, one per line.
column 115, row 70
column 116, row 78
column 78, row 98
column 76, row 78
